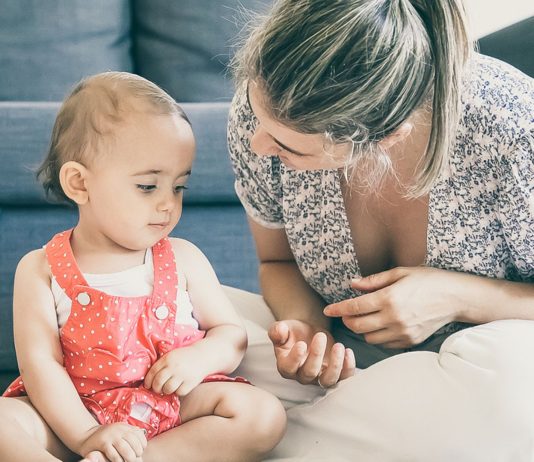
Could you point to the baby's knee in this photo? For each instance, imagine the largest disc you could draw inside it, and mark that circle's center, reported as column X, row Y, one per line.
column 259, row 415
column 12, row 411
column 20, row 412
column 268, row 421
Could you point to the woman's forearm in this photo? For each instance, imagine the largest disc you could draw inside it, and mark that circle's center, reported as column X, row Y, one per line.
column 289, row 296
column 483, row 299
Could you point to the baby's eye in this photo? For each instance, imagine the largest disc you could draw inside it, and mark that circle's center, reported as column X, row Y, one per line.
column 179, row 188
column 146, row 187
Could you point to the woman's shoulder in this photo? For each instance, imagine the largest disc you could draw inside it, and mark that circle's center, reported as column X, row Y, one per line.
column 498, row 100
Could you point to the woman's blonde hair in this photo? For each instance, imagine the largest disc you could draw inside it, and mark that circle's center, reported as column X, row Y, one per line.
column 88, row 115
column 355, row 70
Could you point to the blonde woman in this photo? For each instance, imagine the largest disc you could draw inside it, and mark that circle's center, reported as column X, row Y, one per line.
column 388, row 174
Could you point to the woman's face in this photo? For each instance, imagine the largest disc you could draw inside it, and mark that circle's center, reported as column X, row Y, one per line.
column 296, row 150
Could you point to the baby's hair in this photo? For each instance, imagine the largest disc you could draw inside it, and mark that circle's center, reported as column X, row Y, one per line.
column 95, row 106
column 355, row 70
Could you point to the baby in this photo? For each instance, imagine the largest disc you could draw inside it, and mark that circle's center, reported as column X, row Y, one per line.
column 124, row 336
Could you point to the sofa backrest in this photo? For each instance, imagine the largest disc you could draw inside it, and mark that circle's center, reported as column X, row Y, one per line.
column 46, row 47
column 212, row 218
column 184, row 46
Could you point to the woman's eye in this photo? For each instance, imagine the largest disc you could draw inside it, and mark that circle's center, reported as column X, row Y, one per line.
column 146, row 187
column 179, row 188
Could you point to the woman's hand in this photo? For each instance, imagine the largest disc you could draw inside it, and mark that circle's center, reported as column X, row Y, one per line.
column 309, row 355
column 401, row 307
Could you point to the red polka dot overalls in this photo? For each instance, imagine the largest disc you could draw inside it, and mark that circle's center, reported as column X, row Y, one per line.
column 110, row 342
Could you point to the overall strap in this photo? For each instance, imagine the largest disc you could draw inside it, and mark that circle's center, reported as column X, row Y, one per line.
column 165, row 277
column 63, row 264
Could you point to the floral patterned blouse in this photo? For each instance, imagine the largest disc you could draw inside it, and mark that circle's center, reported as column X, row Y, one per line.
column 481, row 209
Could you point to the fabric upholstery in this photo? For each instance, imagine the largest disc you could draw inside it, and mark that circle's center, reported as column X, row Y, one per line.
column 47, row 46
column 185, row 46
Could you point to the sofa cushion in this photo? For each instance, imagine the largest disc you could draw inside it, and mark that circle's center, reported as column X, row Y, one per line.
column 25, row 133
column 47, row 46
column 185, row 46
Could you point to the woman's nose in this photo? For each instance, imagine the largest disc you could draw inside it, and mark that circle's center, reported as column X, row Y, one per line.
column 262, row 143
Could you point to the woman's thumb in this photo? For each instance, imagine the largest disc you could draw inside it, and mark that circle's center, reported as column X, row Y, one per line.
column 279, row 333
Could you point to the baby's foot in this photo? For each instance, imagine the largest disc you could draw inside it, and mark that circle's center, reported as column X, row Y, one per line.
column 94, row 456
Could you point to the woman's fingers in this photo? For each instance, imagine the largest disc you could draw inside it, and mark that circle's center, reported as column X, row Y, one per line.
column 288, row 363
column 279, row 333
column 312, row 366
column 330, row 375
column 364, row 304
column 349, row 365
column 365, row 324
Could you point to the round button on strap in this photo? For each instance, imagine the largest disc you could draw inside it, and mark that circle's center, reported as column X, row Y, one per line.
column 83, row 298
column 162, row 312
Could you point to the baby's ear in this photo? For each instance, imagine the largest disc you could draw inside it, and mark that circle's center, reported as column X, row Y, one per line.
column 72, row 177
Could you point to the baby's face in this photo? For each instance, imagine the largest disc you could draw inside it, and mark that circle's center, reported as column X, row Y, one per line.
column 136, row 186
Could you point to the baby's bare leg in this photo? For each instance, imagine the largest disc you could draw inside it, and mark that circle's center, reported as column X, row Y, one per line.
column 25, row 436
column 221, row 421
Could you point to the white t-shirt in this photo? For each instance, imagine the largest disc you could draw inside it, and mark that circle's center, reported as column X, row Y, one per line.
column 133, row 282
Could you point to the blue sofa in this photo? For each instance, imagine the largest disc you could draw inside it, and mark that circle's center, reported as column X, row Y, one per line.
column 46, row 47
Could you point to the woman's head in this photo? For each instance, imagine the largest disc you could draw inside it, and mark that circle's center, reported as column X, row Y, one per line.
column 356, row 70
column 89, row 116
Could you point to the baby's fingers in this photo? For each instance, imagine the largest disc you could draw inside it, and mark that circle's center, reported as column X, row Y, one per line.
column 137, row 441
column 95, row 456
column 125, row 451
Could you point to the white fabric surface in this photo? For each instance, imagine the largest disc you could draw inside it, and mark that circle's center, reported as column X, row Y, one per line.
column 471, row 402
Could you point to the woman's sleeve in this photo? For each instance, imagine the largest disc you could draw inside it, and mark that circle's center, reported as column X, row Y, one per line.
column 257, row 178
column 516, row 205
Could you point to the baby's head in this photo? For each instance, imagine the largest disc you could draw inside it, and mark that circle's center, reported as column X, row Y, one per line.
column 89, row 117
column 122, row 151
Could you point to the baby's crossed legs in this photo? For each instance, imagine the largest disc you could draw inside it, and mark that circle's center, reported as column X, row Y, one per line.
column 26, row 436
column 221, row 421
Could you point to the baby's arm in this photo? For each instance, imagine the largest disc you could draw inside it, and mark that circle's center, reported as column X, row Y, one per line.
column 40, row 357
column 224, row 345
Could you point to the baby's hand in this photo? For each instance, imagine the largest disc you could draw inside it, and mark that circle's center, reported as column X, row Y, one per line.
column 178, row 371
column 118, row 442
column 95, row 456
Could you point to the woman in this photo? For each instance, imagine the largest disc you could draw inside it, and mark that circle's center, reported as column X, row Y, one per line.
column 388, row 174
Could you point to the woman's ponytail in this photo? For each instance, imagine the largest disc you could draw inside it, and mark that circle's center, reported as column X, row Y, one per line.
column 355, row 70
column 450, row 46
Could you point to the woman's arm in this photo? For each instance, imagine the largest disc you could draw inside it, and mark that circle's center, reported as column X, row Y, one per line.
column 304, row 348
column 483, row 299
column 284, row 289
column 402, row 307
column 40, row 357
